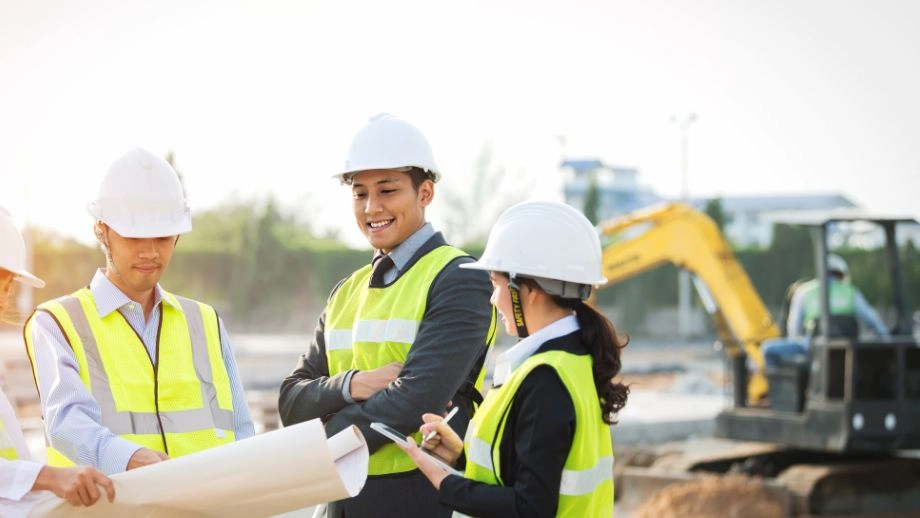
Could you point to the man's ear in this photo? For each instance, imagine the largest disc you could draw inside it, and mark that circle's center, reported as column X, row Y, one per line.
column 100, row 236
column 426, row 192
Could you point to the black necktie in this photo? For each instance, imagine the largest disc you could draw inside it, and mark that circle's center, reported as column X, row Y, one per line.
column 382, row 265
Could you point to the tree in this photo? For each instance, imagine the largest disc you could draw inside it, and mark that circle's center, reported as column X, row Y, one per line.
column 263, row 266
column 171, row 160
column 789, row 258
column 470, row 204
column 714, row 210
column 592, row 201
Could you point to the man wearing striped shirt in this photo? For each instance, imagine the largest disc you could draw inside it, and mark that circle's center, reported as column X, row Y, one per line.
column 128, row 373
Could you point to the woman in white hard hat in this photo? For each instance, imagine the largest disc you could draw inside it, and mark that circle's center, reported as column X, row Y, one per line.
column 19, row 476
column 540, row 444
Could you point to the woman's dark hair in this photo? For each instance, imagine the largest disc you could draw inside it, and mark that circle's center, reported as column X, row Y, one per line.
column 601, row 339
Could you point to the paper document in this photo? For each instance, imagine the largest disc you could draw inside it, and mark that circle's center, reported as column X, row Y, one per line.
column 272, row 473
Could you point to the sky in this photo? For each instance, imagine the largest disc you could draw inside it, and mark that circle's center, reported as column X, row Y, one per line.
column 262, row 98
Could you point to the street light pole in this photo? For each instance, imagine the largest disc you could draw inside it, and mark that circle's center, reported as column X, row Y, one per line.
column 683, row 277
column 684, row 125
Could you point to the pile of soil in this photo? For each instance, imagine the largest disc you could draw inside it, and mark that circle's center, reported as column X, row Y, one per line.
column 712, row 496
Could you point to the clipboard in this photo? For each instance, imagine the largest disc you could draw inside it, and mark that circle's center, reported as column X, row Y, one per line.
column 397, row 437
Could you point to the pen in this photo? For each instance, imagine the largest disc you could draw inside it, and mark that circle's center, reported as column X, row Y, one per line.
column 450, row 414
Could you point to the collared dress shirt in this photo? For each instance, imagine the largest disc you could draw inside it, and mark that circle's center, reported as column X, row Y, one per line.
column 403, row 252
column 510, row 360
column 72, row 415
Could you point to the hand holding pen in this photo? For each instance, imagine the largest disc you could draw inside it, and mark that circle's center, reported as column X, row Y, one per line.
column 439, row 438
column 450, row 414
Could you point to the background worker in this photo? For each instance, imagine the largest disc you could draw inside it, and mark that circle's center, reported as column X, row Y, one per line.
column 540, row 444
column 19, row 476
column 847, row 307
column 844, row 299
column 128, row 373
column 399, row 339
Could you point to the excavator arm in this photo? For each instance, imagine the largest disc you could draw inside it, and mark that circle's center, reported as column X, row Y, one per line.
column 689, row 239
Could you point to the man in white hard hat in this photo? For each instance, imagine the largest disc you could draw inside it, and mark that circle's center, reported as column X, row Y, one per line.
column 845, row 300
column 128, row 373
column 21, row 479
column 400, row 337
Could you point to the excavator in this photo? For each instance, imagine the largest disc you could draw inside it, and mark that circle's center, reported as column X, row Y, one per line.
column 832, row 428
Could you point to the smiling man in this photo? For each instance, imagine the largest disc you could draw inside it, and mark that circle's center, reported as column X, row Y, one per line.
column 128, row 373
column 400, row 337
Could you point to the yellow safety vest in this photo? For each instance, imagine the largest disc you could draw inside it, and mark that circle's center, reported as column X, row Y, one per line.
column 586, row 488
column 179, row 404
column 841, row 297
column 7, row 446
column 367, row 328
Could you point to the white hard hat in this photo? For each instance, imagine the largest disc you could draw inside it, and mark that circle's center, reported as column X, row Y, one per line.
column 835, row 263
column 544, row 240
column 388, row 142
column 141, row 196
column 13, row 251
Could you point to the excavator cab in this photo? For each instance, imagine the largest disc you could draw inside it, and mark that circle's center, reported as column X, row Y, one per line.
column 849, row 392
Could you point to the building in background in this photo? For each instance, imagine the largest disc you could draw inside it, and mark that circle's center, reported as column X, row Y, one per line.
column 618, row 187
column 748, row 219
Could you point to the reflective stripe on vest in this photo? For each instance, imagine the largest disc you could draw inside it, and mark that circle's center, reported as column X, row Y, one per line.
column 7, row 446
column 841, row 300
column 181, row 404
column 367, row 328
column 378, row 331
column 586, row 488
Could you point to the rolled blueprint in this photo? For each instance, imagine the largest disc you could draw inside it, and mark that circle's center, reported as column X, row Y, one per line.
column 273, row 473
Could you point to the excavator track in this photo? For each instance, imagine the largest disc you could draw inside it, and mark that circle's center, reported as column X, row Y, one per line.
column 808, row 483
column 877, row 487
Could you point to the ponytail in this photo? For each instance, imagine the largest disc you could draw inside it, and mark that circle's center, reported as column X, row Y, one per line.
column 600, row 338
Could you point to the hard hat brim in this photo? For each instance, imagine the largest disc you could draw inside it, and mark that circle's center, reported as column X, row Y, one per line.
column 25, row 277
column 344, row 176
column 180, row 224
column 485, row 266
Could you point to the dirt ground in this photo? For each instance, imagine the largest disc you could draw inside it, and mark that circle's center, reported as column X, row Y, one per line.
column 664, row 381
column 677, row 370
column 733, row 496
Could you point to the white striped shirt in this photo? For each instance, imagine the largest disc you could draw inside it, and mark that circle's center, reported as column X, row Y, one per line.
column 72, row 416
column 16, row 476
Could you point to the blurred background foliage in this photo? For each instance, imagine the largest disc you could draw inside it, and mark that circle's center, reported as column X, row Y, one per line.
column 265, row 270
